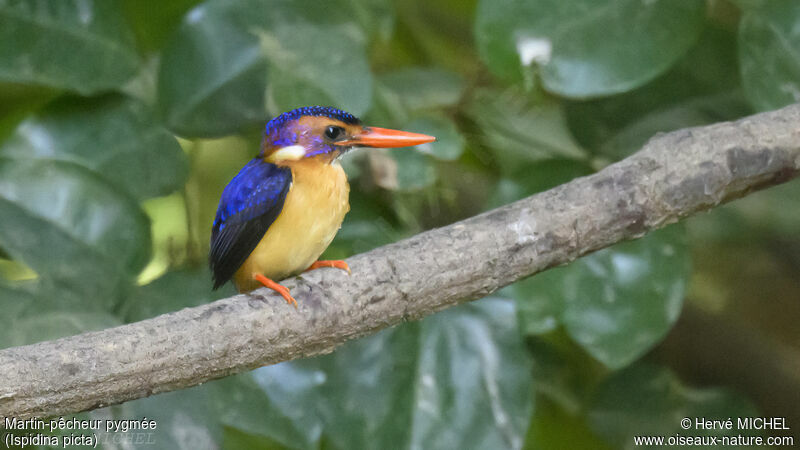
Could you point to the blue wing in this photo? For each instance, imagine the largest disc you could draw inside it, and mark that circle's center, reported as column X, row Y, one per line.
column 250, row 203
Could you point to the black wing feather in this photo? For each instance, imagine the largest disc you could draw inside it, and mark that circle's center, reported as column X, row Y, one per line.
column 249, row 205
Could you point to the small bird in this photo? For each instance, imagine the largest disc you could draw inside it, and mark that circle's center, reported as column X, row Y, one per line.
column 283, row 209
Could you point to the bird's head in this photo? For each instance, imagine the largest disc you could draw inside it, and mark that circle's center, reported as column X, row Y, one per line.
column 313, row 131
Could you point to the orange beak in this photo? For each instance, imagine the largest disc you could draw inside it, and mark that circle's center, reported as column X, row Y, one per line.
column 385, row 138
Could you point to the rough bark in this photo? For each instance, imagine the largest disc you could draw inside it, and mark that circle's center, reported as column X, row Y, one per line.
column 673, row 176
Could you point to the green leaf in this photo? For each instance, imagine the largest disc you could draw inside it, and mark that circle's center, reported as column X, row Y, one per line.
column 202, row 416
column 214, row 72
column 241, row 404
column 775, row 211
column 587, row 48
column 420, row 88
column 616, row 303
column 31, row 297
column 78, row 45
column 554, row 429
column 414, row 170
column 561, row 372
column 32, row 314
column 76, row 231
column 459, row 379
column 536, row 177
column 692, row 113
column 364, row 227
column 212, row 75
column 176, row 290
column 114, row 136
column 234, row 438
column 19, row 100
column 771, row 214
column 519, row 131
column 646, row 400
column 153, row 20
column 185, row 419
column 541, row 301
column 399, row 169
column 449, row 143
column 316, row 65
column 703, row 74
column 47, row 325
column 750, row 4
column 374, row 17
column 13, row 302
column 769, row 54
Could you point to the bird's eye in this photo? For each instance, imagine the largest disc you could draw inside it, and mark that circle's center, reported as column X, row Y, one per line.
column 333, row 132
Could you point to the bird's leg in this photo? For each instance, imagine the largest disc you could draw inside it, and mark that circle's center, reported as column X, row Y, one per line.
column 282, row 290
column 336, row 264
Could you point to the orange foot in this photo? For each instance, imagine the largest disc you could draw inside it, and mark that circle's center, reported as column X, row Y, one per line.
column 276, row 287
column 337, row 264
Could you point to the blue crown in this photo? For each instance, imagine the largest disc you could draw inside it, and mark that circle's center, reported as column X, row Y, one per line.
column 278, row 122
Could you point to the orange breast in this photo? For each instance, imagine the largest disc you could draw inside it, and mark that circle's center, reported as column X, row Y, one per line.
column 312, row 214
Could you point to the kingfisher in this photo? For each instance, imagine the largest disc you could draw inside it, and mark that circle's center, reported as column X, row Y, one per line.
column 284, row 207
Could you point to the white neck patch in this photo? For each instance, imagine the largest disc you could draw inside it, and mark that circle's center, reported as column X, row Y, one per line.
column 290, row 153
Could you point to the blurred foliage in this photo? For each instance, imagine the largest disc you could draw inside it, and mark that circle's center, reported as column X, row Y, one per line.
column 121, row 122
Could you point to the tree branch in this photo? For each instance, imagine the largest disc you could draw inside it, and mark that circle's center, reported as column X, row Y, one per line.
column 673, row 176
